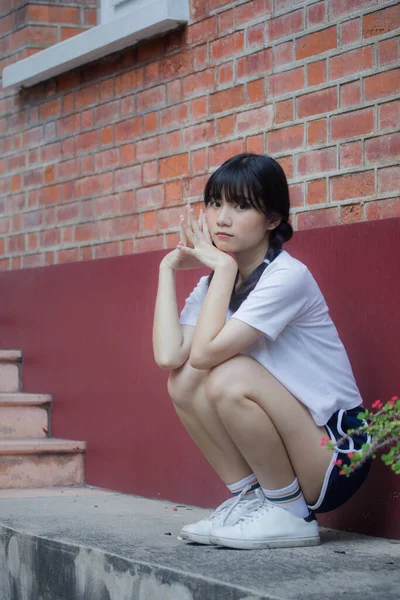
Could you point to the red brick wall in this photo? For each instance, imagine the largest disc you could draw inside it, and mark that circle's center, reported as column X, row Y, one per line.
column 97, row 161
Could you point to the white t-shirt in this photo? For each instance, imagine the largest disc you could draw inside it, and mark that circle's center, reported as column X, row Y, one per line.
column 300, row 346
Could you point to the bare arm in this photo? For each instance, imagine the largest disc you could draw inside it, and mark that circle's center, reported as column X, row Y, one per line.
column 171, row 340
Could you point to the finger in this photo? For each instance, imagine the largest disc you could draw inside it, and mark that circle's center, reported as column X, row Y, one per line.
column 182, row 236
column 195, row 226
column 206, row 231
column 186, row 250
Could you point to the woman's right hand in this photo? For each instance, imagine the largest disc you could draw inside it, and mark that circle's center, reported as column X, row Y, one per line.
column 178, row 261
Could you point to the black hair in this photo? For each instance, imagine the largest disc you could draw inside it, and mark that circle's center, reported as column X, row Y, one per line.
column 258, row 181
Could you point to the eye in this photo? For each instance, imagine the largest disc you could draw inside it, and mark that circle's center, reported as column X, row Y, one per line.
column 241, row 207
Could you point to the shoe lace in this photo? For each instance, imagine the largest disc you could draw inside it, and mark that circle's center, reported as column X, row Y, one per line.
column 260, row 506
column 222, row 512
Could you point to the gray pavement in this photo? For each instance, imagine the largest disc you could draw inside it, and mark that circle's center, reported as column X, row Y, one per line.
column 98, row 545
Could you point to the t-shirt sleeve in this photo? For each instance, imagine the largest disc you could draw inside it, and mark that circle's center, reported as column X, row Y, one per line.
column 278, row 298
column 193, row 303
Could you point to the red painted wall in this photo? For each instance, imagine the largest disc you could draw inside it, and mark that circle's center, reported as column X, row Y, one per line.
column 85, row 332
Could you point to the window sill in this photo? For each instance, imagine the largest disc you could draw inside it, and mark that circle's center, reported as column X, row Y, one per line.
column 156, row 17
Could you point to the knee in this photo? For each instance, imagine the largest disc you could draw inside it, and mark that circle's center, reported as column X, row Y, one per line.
column 223, row 386
column 183, row 384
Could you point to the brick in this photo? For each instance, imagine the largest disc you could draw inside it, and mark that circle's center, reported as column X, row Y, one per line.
column 87, row 96
column 150, row 50
column 52, row 14
column 353, row 185
column 382, row 209
column 286, row 81
column 227, row 99
column 317, row 192
column 127, row 200
column 221, row 152
column 124, row 225
column 350, row 32
column 199, row 161
column 69, row 32
column 255, row 143
column 351, row 213
column 254, row 64
column 350, row 94
column 199, row 107
column 150, row 198
column 16, row 244
column 225, row 21
column 389, row 179
column 317, row 103
column 202, row 31
column 150, row 172
column 287, row 138
column 149, row 244
column 389, row 114
column 174, row 115
column 255, row 36
column 173, row 141
column 50, row 195
column 128, row 178
column 227, row 46
column 285, row 25
column 296, row 194
column 67, row 213
column 316, row 43
column 339, row 8
column 128, row 130
column 252, row 120
column 316, row 13
column 150, row 148
column 284, row 111
column 129, row 82
column 87, row 141
column 353, row 61
column 150, row 122
column 226, row 126
column 214, row 4
column 225, row 73
column 316, row 161
column 381, row 21
column 283, row 53
column 50, row 109
column 175, row 65
column 350, row 155
column 153, row 98
column 193, row 187
column 355, row 123
column 385, row 147
column 245, row 13
column 107, row 112
column 148, row 221
column 255, row 91
column 199, row 134
column 199, row 83
column 382, row 85
column 168, row 218
column 85, row 232
column 316, row 72
column 107, row 159
column 316, row 219
column 87, row 186
column 174, row 166
column 389, row 51
column 173, row 192
column 200, row 57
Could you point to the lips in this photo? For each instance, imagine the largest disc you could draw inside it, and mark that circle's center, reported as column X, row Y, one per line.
column 222, row 234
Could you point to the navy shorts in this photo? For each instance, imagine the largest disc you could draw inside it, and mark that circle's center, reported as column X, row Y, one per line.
column 337, row 489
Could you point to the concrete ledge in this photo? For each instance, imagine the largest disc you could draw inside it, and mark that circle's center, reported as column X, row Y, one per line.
column 118, row 547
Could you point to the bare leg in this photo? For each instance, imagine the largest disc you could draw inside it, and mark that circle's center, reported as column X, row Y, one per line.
column 273, row 431
column 186, row 389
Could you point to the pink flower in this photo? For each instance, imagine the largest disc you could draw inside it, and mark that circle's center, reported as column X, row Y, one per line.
column 350, row 454
column 393, row 400
column 377, row 404
column 338, row 462
column 341, row 473
column 324, row 440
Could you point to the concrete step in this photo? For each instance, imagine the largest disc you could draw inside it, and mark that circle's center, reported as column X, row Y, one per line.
column 24, row 415
column 10, row 370
column 33, row 463
column 122, row 547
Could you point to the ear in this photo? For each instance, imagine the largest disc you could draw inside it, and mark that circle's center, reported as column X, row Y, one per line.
column 273, row 224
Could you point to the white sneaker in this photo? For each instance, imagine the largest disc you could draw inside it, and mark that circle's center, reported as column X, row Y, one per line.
column 267, row 526
column 228, row 513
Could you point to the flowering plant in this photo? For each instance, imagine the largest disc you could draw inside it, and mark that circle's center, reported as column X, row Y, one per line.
column 383, row 425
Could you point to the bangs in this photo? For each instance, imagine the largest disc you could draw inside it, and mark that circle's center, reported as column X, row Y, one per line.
column 238, row 183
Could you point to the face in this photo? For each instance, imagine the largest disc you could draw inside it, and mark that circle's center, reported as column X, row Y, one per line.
column 247, row 227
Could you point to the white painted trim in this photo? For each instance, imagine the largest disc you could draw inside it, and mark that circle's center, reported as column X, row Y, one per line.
column 157, row 16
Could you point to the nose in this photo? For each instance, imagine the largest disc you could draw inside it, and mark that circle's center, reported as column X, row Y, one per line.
column 224, row 216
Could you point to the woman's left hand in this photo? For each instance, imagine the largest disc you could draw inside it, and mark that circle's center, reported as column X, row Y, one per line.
column 198, row 234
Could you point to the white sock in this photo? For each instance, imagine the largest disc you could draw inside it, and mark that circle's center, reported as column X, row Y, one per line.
column 291, row 498
column 239, row 486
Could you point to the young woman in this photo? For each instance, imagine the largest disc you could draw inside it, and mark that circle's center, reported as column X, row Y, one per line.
column 258, row 372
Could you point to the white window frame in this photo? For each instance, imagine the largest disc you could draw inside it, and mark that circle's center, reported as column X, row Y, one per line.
column 144, row 19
